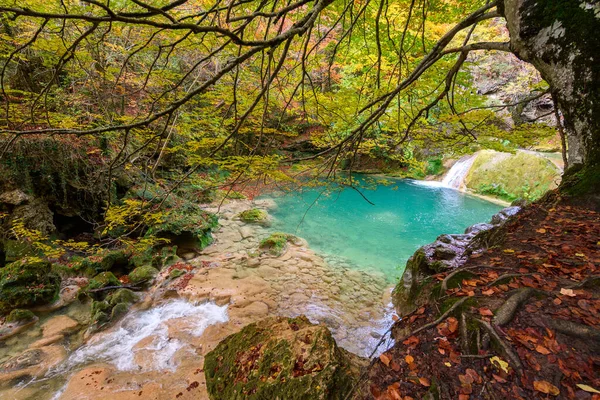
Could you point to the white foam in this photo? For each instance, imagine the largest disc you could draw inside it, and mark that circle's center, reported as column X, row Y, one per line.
column 118, row 345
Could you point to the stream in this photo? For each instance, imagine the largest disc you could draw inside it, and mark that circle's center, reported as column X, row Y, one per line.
column 341, row 274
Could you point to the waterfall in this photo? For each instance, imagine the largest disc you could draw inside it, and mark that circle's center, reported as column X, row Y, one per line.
column 457, row 174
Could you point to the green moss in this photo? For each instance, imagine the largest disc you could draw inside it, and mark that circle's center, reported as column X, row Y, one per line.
column 254, row 215
column 176, row 273
column 118, row 311
column 142, row 274
column 511, row 176
column 99, row 306
column 20, row 315
column 102, row 280
column 26, row 284
column 275, row 244
column 122, row 296
column 581, row 181
column 279, row 358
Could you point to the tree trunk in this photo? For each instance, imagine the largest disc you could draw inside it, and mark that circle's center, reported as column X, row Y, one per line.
column 561, row 38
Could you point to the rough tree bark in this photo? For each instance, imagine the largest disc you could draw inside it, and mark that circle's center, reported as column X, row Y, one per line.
column 561, row 38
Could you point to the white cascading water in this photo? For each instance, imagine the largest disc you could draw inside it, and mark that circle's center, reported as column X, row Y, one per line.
column 457, row 174
column 118, row 346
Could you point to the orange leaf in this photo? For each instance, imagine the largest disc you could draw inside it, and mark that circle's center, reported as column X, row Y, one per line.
column 452, row 324
column 409, row 359
column 488, row 292
column 486, row 312
column 385, row 359
column 546, row 387
column 395, row 317
column 424, row 381
column 542, row 350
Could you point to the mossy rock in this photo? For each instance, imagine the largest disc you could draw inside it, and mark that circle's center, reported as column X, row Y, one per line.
column 103, row 280
column 19, row 315
column 122, row 296
column 142, row 274
column 118, row 311
column 26, row 284
column 276, row 243
column 176, row 273
column 99, row 306
column 253, row 216
column 103, row 262
column 510, row 176
column 281, row 358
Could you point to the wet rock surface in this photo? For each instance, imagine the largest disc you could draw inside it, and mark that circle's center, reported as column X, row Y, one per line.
column 448, row 252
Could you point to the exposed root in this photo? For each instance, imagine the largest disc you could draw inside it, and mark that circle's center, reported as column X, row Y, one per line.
column 506, row 349
column 507, row 311
column 593, row 282
column 574, row 329
column 507, row 276
column 437, row 321
column 453, row 274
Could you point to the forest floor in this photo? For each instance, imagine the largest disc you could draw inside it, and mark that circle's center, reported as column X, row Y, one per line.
column 521, row 324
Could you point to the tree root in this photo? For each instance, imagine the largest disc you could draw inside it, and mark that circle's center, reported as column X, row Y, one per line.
column 437, row 321
column 574, row 329
column 508, row 276
column 452, row 274
column 593, row 282
column 506, row 349
column 507, row 311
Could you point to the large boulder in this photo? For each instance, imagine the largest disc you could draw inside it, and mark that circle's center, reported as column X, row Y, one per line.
column 26, row 284
column 281, row 358
column 35, row 215
column 446, row 253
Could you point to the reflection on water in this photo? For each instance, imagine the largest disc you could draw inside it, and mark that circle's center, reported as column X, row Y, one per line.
column 404, row 216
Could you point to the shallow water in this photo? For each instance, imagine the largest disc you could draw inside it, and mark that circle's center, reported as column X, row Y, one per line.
column 381, row 236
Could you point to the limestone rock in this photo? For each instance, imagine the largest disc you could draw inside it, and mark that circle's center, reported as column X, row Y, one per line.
column 14, row 197
column 281, row 358
column 59, row 325
column 447, row 252
column 25, row 284
column 35, row 215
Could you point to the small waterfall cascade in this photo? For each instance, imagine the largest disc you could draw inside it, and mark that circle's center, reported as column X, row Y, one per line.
column 456, row 176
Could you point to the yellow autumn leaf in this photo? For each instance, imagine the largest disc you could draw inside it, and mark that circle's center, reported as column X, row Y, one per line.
column 508, row 251
column 587, row 388
column 541, row 230
column 546, row 387
column 500, row 363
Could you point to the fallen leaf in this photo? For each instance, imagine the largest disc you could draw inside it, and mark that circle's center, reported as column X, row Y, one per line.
column 508, row 251
column 546, row 387
column 447, row 364
column 500, row 363
column 541, row 230
column 452, row 324
column 580, row 254
column 424, row 381
column 488, row 292
column 385, row 359
column 567, row 292
column 587, row 388
column 486, row 312
column 395, row 318
column 557, row 301
column 542, row 350
column 409, row 359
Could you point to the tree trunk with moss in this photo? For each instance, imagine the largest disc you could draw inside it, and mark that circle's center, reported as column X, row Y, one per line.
column 561, row 38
